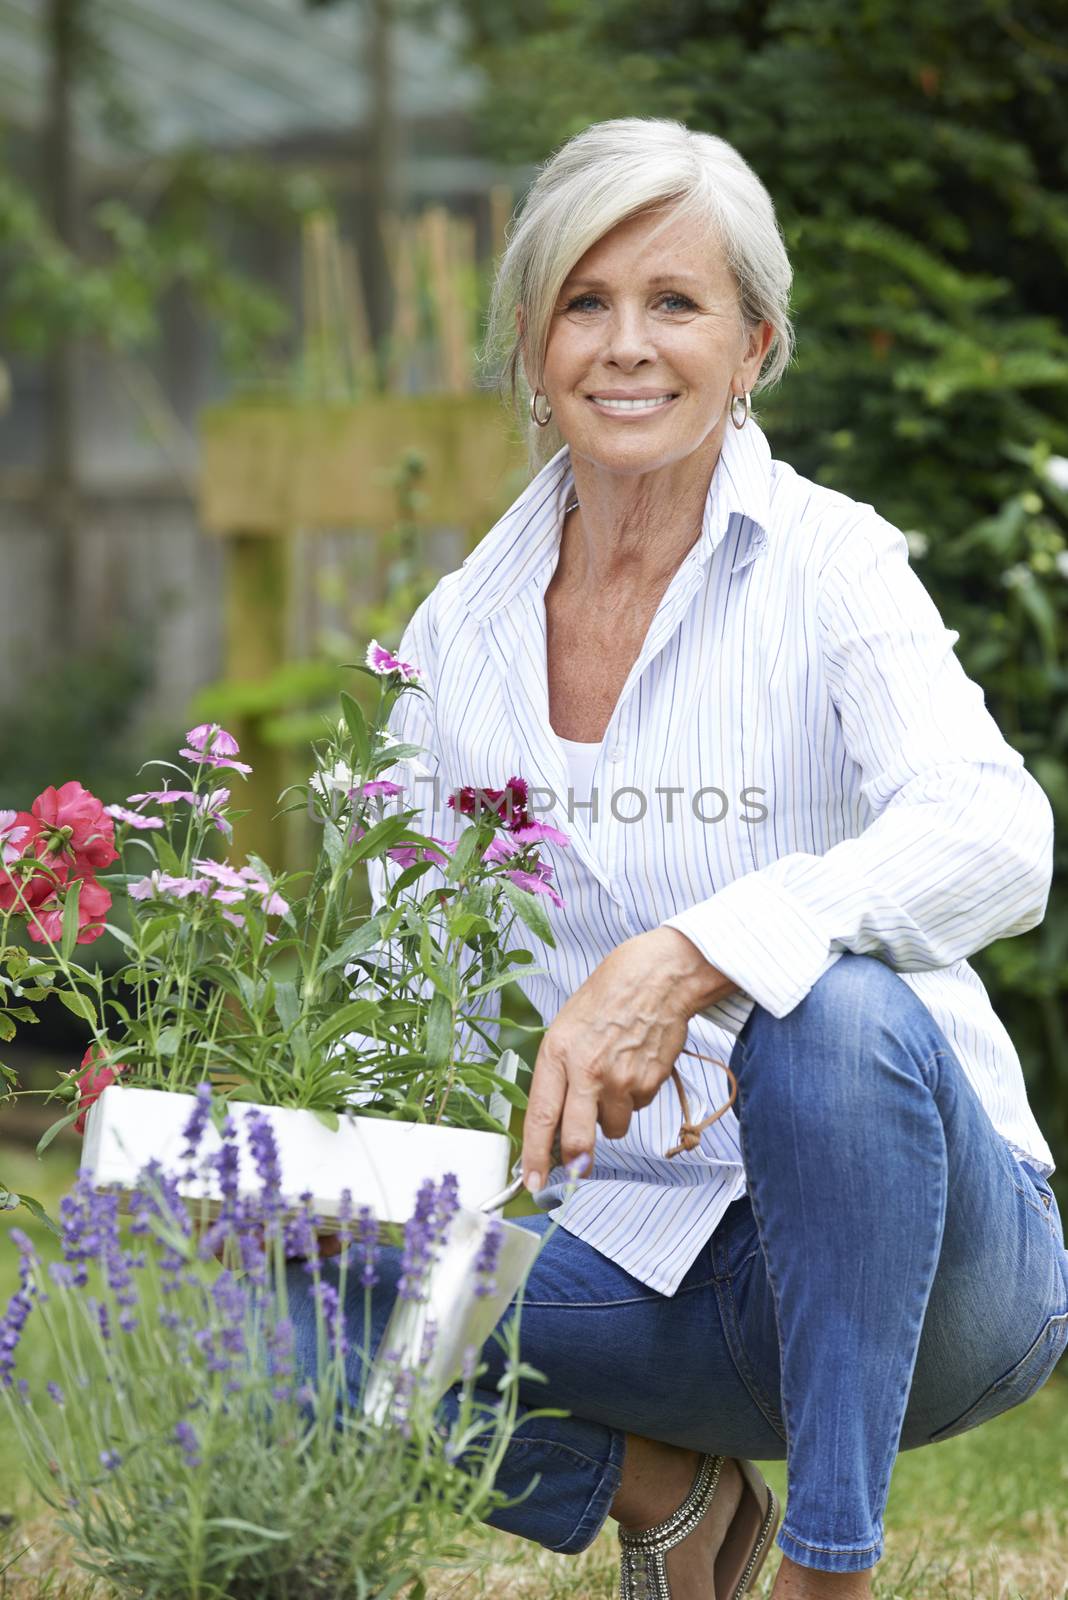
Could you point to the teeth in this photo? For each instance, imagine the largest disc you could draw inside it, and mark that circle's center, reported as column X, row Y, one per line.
column 635, row 405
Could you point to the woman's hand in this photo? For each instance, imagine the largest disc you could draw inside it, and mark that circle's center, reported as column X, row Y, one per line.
column 610, row 1047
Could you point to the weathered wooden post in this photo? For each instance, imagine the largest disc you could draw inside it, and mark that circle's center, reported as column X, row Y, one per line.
column 270, row 470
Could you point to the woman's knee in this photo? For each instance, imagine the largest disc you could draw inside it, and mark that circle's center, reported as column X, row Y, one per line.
column 854, row 993
column 824, row 1056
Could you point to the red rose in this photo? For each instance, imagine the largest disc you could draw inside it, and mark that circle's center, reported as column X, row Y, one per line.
column 94, row 903
column 93, row 1081
column 73, row 827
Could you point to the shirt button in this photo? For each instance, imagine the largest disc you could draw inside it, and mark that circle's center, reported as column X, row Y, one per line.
column 616, row 754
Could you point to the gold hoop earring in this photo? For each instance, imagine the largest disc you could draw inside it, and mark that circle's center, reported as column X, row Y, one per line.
column 541, row 422
column 735, row 398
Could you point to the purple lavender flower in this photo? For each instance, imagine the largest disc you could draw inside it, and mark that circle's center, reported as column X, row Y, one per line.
column 264, row 1150
column 248, row 1223
column 193, row 1132
column 488, row 1254
column 367, row 1247
column 55, row 1394
column 448, row 1203
column 26, row 1248
column 185, row 1436
column 19, row 1307
column 214, row 1360
column 110, row 1460
column 418, row 1243
column 435, row 1207
column 344, row 1218
column 89, row 1227
column 102, row 1318
column 301, row 1236
column 430, row 1334
column 280, row 1348
column 60, row 1274
column 231, row 1304
column 327, row 1297
column 228, row 1163
column 403, row 1389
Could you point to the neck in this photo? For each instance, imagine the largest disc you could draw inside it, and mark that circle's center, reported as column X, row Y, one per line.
column 631, row 531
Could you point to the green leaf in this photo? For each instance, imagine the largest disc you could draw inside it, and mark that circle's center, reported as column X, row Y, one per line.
column 7, row 1028
column 530, row 909
column 333, row 843
column 57, row 1127
column 500, row 980
column 430, row 965
column 347, row 1019
column 244, row 1527
column 36, row 1209
column 390, row 831
column 125, row 940
column 461, row 856
column 70, row 919
column 167, row 856
column 412, row 874
column 468, row 922
column 169, row 1040
column 286, row 1004
column 356, row 944
column 439, row 1032
column 357, row 726
column 329, row 1119
column 77, row 1002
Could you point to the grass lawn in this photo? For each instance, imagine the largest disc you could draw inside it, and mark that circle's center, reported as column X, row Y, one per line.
column 980, row 1517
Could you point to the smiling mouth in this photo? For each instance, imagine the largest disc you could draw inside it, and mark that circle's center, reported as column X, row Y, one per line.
column 629, row 407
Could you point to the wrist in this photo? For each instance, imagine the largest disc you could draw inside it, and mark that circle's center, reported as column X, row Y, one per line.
column 698, row 983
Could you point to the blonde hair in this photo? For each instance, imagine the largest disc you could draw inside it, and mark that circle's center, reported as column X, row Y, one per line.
column 600, row 177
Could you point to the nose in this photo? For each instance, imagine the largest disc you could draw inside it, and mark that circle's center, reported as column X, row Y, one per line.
column 629, row 337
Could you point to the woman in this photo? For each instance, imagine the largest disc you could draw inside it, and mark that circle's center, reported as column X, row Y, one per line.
column 792, row 821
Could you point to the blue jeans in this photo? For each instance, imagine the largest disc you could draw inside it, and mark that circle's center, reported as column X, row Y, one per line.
column 893, row 1276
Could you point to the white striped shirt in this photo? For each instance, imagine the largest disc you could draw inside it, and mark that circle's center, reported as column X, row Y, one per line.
column 797, row 766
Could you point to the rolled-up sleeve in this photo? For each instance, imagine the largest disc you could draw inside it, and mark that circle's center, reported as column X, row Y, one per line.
column 959, row 851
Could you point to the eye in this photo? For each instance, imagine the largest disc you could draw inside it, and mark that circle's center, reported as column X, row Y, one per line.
column 670, row 301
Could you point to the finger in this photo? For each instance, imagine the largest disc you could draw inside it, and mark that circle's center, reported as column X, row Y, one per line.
column 615, row 1113
column 578, row 1125
column 548, row 1089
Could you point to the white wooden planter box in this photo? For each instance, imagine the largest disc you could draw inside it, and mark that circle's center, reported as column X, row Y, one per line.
column 381, row 1163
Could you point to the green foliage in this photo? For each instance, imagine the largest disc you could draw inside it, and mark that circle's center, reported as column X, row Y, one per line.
column 80, row 712
column 916, row 159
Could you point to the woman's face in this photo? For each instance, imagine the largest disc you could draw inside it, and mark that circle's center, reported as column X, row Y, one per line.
column 655, row 320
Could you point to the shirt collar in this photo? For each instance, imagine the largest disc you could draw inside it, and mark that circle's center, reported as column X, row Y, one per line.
column 522, row 547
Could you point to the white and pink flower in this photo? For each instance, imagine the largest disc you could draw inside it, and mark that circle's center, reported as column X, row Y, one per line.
column 12, row 834
column 383, row 662
column 209, row 745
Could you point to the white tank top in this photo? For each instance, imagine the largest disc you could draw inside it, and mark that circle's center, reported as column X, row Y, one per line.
column 581, row 760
